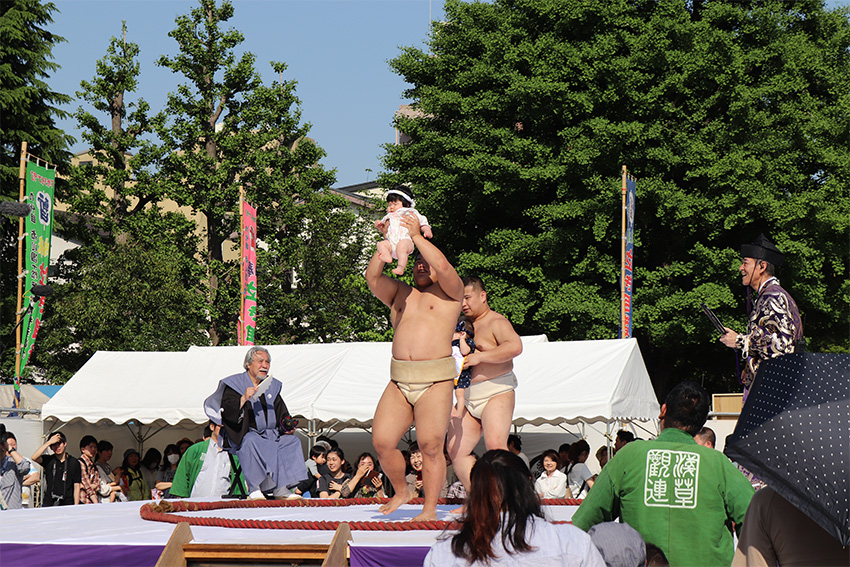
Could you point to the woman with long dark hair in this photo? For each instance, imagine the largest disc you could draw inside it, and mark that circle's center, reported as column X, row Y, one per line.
column 367, row 482
column 504, row 523
column 579, row 477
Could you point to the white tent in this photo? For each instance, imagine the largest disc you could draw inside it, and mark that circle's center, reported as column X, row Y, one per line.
column 31, row 398
column 338, row 384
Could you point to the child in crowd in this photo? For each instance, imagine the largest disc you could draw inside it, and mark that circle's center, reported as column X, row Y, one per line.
column 463, row 344
column 317, row 457
column 397, row 243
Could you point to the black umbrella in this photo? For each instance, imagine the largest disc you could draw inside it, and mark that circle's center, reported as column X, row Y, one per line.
column 794, row 434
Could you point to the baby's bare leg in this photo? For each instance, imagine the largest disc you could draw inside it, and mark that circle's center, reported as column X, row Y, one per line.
column 403, row 249
column 460, row 402
column 385, row 251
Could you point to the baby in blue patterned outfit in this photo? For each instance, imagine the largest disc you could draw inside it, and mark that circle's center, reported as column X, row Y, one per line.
column 463, row 344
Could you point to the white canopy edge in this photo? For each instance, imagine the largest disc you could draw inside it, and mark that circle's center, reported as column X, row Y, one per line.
column 340, row 383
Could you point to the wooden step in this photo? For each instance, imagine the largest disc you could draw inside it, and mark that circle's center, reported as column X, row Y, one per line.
column 181, row 551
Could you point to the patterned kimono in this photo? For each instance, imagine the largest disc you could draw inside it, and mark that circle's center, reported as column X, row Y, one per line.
column 774, row 329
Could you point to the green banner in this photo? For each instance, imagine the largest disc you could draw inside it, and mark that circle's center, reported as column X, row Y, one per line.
column 39, row 228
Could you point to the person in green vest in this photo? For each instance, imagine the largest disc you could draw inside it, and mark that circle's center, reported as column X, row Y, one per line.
column 671, row 488
column 204, row 471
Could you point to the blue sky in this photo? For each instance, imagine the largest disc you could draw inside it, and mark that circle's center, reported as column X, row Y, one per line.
column 337, row 51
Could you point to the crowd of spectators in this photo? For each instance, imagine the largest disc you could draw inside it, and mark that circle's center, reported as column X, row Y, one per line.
column 171, row 473
column 202, row 469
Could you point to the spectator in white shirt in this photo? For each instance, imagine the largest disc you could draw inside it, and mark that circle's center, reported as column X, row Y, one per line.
column 503, row 524
column 552, row 482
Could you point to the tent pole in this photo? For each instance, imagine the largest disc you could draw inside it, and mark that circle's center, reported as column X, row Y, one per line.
column 137, row 435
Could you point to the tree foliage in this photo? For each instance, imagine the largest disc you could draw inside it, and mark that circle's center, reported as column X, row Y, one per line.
column 733, row 116
column 28, row 106
column 134, row 283
column 312, row 287
column 136, row 295
column 28, row 112
column 224, row 130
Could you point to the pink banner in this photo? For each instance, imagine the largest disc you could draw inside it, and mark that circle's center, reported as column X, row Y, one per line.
column 248, row 317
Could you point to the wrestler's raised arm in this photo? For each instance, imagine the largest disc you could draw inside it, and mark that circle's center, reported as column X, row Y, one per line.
column 447, row 277
column 383, row 287
column 508, row 345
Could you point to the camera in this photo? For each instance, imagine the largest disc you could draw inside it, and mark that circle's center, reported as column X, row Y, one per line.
column 288, row 423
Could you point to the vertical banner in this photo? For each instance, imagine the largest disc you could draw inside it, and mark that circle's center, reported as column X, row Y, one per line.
column 248, row 317
column 629, row 188
column 38, row 231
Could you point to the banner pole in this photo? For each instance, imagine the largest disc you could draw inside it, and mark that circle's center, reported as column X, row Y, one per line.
column 22, row 178
column 623, row 260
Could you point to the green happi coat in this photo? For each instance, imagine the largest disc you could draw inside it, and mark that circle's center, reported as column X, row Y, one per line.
column 680, row 496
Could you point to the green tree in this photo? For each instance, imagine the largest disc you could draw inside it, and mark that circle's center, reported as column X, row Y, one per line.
column 134, row 284
column 28, row 106
column 314, row 285
column 119, row 179
column 227, row 131
column 733, row 115
column 28, row 112
column 132, row 296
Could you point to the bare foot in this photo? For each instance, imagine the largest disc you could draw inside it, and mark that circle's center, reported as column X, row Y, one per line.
column 398, row 271
column 426, row 517
column 385, row 257
column 461, row 511
column 397, row 500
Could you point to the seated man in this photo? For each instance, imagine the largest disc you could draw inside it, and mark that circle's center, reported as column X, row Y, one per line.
column 204, row 471
column 255, row 427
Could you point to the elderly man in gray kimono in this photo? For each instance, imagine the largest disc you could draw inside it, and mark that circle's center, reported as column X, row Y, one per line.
column 257, row 427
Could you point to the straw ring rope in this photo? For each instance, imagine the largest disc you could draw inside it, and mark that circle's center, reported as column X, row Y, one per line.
column 166, row 511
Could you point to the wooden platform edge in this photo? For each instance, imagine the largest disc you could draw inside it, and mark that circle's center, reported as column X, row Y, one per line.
column 172, row 554
column 338, row 552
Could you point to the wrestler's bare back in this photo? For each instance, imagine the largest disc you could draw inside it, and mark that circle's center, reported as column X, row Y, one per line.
column 414, row 311
column 491, row 330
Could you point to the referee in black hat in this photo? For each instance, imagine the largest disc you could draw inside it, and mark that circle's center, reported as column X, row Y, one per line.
column 774, row 326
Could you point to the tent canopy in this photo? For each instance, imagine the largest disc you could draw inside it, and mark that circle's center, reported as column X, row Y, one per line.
column 340, row 383
column 31, row 397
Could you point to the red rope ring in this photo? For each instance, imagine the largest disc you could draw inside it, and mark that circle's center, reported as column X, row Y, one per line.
column 166, row 510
